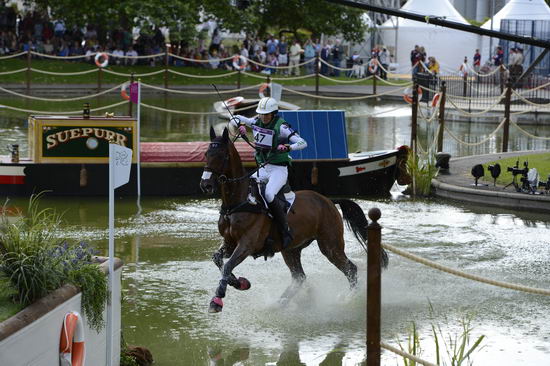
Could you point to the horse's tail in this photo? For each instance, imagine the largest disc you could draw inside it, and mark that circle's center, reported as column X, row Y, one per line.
column 357, row 222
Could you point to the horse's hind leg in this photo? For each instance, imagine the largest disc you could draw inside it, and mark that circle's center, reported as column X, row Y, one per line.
column 333, row 249
column 292, row 259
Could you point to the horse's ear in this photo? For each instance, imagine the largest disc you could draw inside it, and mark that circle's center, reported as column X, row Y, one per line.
column 225, row 135
column 212, row 133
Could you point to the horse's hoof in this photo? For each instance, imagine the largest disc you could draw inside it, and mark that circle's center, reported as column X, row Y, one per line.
column 244, row 284
column 216, row 305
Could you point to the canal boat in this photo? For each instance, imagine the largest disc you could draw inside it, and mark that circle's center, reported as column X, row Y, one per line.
column 68, row 156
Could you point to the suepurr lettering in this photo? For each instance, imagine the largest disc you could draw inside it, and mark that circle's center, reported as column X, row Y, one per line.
column 61, row 137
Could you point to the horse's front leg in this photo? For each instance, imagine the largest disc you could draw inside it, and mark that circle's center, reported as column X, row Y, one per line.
column 239, row 254
column 240, row 283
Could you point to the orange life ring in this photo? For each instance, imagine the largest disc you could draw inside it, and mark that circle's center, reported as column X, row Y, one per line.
column 373, row 66
column 105, row 61
column 263, row 87
column 408, row 94
column 435, row 99
column 243, row 62
column 123, row 92
column 233, row 102
column 71, row 346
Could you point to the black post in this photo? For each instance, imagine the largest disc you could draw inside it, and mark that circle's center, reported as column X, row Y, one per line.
column 441, row 116
column 374, row 287
column 506, row 129
column 414, row 116
column 374, row 83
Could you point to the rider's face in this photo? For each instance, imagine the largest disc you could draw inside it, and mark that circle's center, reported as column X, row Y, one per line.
column 266, row 118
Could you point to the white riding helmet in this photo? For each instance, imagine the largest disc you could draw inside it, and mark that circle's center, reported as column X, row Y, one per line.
column 267, row 105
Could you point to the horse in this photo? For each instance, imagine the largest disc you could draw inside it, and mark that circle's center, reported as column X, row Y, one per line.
column 245, row 229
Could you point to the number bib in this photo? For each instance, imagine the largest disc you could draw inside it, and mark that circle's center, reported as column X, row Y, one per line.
column 263, row 137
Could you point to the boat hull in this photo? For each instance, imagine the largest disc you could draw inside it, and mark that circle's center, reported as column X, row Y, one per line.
column 371, row 175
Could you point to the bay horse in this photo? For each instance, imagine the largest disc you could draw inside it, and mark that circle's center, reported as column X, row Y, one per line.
column 245, row 229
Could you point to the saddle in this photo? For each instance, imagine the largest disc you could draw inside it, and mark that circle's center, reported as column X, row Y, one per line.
column 256, row 196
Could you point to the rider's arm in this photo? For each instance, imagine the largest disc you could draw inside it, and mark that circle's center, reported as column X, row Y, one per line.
column 239, row 120
column 296, row 142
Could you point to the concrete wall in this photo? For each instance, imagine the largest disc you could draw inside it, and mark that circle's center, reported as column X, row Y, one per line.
column 32, row 336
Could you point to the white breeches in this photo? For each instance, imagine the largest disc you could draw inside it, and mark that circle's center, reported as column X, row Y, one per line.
column 275, row 176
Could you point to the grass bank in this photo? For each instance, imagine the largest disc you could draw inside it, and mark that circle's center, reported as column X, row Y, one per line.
column 539, row 161
column 173, row 79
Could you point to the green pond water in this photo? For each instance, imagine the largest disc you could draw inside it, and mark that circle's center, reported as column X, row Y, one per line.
column 168, row 277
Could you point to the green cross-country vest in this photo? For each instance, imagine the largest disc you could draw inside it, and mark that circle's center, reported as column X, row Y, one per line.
column 273, row 156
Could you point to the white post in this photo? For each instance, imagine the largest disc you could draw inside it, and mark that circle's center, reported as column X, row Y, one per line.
column 138, row 148
column 109, row 325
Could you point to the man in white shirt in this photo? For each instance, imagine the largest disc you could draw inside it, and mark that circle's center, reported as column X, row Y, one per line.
column 295, row 52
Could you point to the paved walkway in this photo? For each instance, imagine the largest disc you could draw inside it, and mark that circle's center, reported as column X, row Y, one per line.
column 458, row 184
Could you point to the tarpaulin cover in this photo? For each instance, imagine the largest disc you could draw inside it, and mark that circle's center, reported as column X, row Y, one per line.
column 185, row 151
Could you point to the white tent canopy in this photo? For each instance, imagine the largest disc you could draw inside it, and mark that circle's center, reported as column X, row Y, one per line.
column 448, row 46
column 517, row 10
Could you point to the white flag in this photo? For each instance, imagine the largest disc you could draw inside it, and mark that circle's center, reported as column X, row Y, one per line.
column 120, row 163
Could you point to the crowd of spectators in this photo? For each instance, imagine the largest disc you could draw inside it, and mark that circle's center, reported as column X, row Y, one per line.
column 35, row 32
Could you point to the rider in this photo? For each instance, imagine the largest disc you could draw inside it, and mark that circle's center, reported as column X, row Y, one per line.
column 274, row 138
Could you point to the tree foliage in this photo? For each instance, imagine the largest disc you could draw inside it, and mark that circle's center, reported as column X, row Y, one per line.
column 316, row 16
column 181, row 16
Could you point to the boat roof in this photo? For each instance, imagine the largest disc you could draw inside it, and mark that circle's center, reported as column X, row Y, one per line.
column 188, row 152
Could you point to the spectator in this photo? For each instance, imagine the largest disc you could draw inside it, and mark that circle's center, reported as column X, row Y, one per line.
column 131, row 56
column 325, row 56
column 358, row 70
column 498, row 58
column 309, row 54
column 477, row 61
column 384, row 59
column 433, row 66
column 282, row 54
column 216, row 40
column 271, row 45
column 337, row 57
column 295, row 53
column 59, row 28
column 118, row 55
column 213, row 59
column 271, row 61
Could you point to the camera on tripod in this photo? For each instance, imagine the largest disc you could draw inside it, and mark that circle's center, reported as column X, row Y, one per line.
column 516, row 170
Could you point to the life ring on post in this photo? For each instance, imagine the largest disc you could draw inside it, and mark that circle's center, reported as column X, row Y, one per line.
column 408, row 94
column 435, row 99
column 262, row 89
column 373, row 66
column 239, row 62
column 101, row 59
column 123, row 92
column 233, row 102
column 71, row 346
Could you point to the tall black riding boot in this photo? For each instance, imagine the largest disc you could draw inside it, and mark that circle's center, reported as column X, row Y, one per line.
column 279, row 214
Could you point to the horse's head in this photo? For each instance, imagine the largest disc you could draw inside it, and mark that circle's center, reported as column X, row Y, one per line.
column 217, row 161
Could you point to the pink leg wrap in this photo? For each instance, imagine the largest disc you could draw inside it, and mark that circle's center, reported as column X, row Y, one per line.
column 218, row 301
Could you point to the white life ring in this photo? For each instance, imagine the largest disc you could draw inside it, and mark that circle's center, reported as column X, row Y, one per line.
column 243, row 62
column 408, row 94
column 435, row 99
column 123, row 92
column 263, row 87
column 233, row 102
column 72, row 350
column 105, row 61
